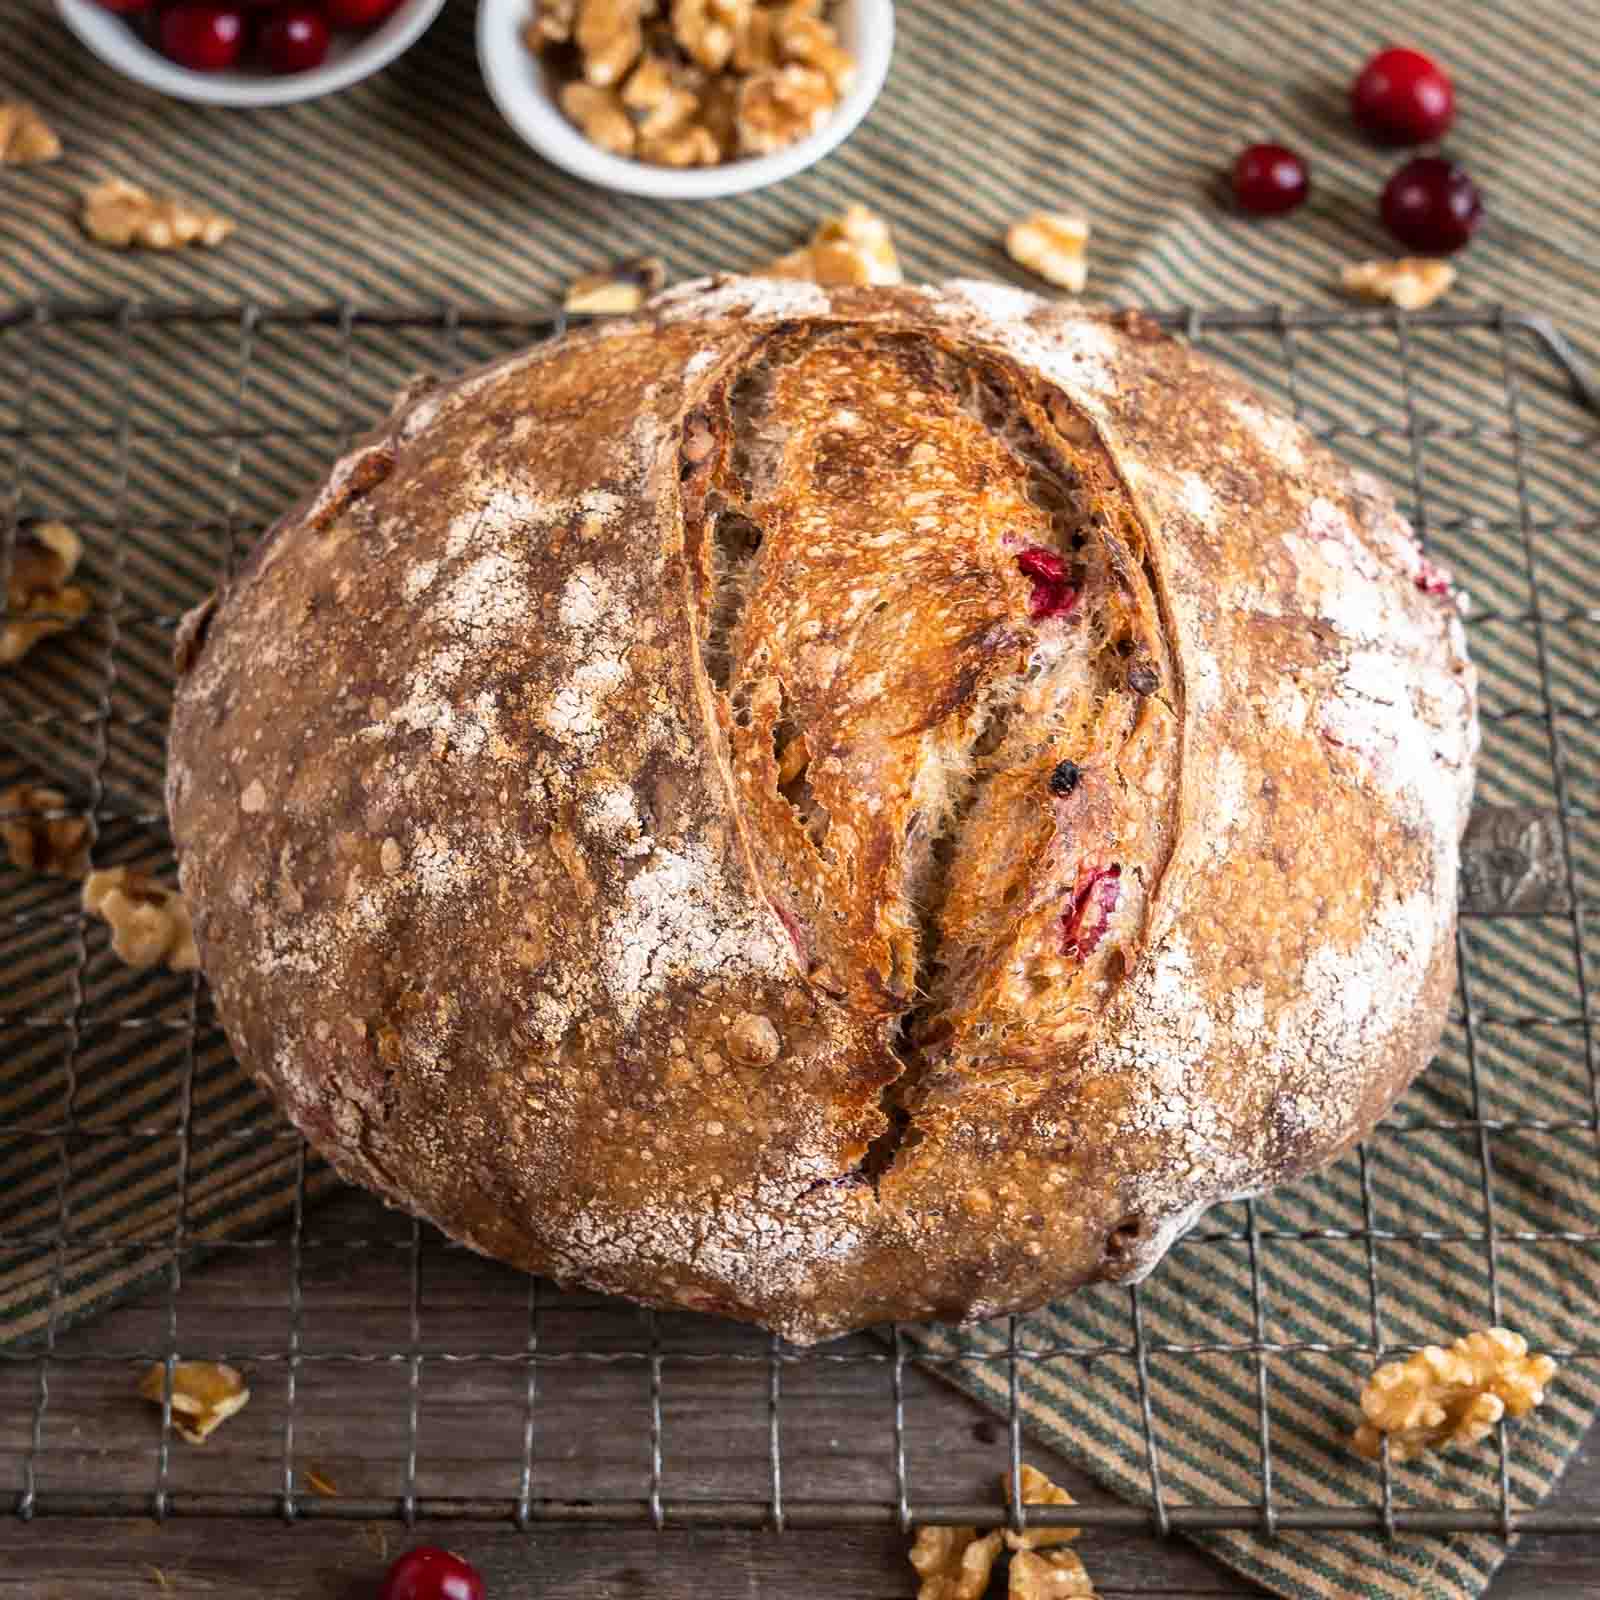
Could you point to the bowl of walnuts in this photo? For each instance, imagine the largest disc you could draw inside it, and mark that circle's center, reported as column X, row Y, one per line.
column 684, row 99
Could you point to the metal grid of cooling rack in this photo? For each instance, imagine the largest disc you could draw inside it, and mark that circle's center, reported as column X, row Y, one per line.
column 227, row 410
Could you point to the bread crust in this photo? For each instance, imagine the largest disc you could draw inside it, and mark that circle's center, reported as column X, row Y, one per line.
column 623, row 818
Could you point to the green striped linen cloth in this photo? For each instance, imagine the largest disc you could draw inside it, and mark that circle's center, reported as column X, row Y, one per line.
column 408, row 190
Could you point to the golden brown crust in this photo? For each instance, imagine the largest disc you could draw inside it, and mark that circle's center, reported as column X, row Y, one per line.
column 825, row 806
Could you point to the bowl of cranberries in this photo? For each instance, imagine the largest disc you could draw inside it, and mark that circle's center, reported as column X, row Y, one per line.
column 247, row 52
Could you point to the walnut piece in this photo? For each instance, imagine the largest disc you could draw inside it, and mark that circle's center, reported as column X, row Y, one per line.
column 204, row 1395
column 658, row 104
column 1054, row 245
column 621, row 288
column 552, row 23
column 39, row 600
column 708, row 29
column 39, row 842
column 807, row 39
column 953, row 1563
column 149, row 922
column 124, row 215
column 1410, row 283
column 855, row 248
column 779, row 107
column 600, row 115
column 1444, row 1397
column 610, row 35
column 25, row 137
column 687, row 147
column 1055, row 1575
column 1038, row 1490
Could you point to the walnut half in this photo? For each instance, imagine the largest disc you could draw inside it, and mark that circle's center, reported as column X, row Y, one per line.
column 38, row 841
column 122, row 214
column 39, row 600
column 1442, row 1397
column 204, row 1395
column 149, row 922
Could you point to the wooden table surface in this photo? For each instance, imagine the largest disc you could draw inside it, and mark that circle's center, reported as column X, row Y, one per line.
column 351, row 1426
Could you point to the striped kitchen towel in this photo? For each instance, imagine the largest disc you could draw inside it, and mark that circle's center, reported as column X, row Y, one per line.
column 1477, row 1200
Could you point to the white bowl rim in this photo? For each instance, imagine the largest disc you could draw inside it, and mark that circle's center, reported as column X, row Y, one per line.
column 532, row 112
column 122, row 49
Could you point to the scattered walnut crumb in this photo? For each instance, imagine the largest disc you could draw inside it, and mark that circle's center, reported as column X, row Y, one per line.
column 855, row 248
column 149, row 922
column 1053, row 245
column 204, row 1395
column 622, row 287
column 124, row 215
column 1410, row 283
column 39, row 842
column 39, row 600
column 692, row 82
column 953, row 1563
column 320, row 1483
column 25, row 137
column 1444, row 1397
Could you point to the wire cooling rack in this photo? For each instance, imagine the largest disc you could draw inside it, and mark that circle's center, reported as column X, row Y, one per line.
column 153, row 1207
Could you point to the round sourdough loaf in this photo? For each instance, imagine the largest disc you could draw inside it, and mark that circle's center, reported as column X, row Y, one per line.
column 828, row 806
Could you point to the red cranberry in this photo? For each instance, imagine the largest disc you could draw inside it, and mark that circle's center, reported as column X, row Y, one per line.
column 1402, row 97
column 429, row 1573
column 358, row 13
column 1094, row 898
column 1053, row 594
column 202, row 36
column 1431, row 205
column 1269, row 180
column 294, row 39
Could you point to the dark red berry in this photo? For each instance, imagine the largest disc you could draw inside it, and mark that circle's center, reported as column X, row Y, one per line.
column 202, row 36
column 1065, row 777
column 1431, row 205
column 1402, row 97
column 358, row 13
column 1432, row 579
column 294, row 39
column 1269, row 180
column 1053, row 593
column 429, row 1573
column 1094, row 898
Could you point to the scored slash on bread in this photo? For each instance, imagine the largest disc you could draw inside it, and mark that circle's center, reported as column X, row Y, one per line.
column 827, row 805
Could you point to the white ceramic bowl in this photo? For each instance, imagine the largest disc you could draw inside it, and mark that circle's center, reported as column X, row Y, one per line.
column 518, row 85
column 354, row 56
